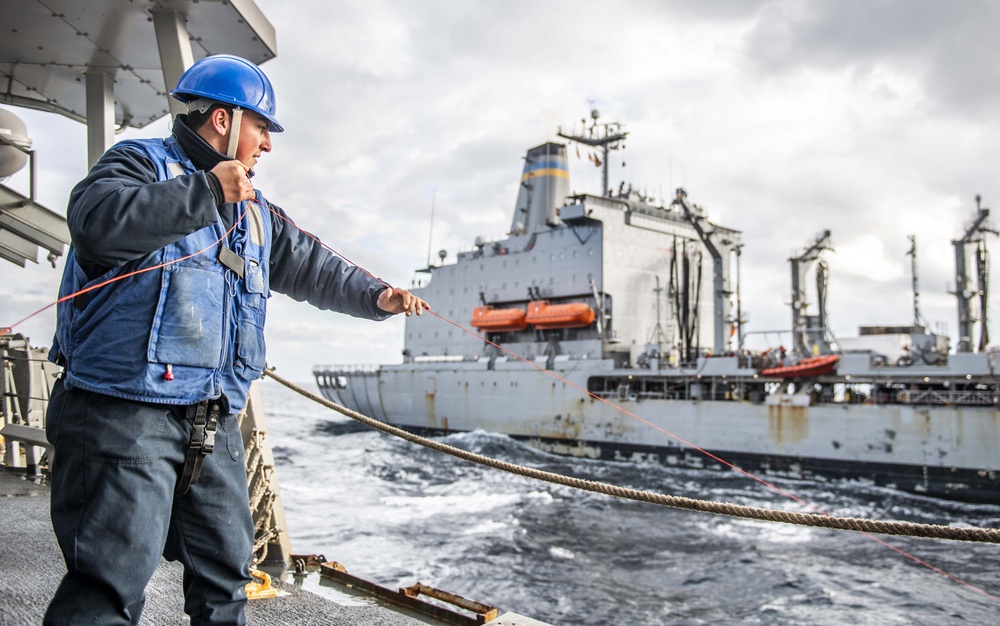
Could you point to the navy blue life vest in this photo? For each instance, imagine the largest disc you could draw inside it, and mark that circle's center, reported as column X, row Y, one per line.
column 194, row 317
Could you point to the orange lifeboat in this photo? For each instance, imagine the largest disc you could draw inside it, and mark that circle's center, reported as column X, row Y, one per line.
column 490, row 320
column 811, row 366
column 544, row 316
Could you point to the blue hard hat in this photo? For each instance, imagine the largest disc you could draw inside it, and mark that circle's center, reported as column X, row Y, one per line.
column 230, row 80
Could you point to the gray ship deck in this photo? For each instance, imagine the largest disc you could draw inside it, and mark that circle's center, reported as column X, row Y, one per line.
column 31, row 568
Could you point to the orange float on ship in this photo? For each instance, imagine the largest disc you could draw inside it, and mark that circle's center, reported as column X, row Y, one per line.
column 545, row 316
column 810, row 366
column 490, row 320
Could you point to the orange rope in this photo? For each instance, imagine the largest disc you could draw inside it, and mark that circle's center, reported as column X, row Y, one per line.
column 7, row 329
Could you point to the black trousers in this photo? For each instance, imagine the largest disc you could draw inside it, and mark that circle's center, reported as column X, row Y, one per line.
column 115, row 468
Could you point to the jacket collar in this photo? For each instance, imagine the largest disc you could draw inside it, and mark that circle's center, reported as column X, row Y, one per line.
column 202, row 155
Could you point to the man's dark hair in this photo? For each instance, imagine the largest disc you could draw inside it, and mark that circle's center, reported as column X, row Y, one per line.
column 197, row 119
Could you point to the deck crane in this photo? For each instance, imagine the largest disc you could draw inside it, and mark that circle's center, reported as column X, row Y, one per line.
column 974, row 234
column 809, row 329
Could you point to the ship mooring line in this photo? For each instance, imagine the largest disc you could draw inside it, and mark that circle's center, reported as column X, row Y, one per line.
column 821, row 519
column 910, row 529
column 863, row 526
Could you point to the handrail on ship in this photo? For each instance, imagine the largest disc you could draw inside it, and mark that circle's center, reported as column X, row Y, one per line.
column 350, row 368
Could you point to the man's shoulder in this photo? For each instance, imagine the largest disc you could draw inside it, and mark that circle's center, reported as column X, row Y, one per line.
column 143, row 145
column 144, row 152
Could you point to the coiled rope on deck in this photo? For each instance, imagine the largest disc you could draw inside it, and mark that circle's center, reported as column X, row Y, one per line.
column 908, row 529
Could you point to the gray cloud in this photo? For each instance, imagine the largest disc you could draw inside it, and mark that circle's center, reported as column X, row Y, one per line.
column 948, row 46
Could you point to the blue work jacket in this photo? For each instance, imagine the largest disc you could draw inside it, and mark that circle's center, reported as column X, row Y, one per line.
column 182, row 327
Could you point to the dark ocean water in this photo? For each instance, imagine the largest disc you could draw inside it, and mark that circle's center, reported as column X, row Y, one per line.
column 396, row 513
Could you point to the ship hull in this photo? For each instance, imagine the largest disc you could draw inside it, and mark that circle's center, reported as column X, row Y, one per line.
column 939, row 451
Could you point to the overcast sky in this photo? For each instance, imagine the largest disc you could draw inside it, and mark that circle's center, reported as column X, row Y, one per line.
column 874, row 119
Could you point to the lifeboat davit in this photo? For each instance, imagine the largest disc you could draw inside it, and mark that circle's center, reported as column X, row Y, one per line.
column 544, row 316
column 490, row 320
column 810, row 366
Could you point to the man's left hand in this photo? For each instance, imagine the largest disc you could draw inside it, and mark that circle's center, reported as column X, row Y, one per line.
column 396, row 300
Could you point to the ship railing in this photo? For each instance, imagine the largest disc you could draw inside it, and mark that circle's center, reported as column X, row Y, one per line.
column 26, row 382
column 492, row 242
column 345, row 369
column 441, row 358
column 674, row 394
column 976, row 397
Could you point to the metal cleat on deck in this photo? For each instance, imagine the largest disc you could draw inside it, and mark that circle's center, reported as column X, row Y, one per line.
column 408, row 597
column 261, row 587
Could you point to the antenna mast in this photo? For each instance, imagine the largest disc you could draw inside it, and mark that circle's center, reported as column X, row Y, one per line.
column 606, row 136
column 912, row 253
column 658, row 336
column 430, row 235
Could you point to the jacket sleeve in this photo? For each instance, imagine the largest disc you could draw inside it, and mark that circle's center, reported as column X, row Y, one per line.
column 304, row 270
column 121, row 211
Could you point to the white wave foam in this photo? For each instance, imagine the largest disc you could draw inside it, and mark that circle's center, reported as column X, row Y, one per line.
column 486, row 527
column 562, row 553
column 405, row 508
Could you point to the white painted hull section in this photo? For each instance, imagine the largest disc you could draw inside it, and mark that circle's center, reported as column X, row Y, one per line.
column 523, row 403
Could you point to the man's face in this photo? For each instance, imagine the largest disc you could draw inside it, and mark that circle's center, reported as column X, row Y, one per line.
column 255, row 138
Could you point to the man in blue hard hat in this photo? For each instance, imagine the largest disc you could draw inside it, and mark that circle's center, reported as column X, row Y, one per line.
column 148, row 453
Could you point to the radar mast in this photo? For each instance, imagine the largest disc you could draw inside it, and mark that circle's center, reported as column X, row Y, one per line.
column 607, row 136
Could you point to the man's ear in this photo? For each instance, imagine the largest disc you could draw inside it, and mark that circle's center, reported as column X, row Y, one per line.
column 220, row 121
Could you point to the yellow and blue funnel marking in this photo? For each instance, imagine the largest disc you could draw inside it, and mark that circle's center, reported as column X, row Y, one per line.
column 545, row 168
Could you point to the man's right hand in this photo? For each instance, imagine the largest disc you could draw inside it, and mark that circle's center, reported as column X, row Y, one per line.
column 233, row 179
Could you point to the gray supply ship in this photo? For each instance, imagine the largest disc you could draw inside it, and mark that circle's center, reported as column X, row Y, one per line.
column 638, row 304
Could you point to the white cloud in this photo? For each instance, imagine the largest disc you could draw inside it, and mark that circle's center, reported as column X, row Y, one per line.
column 865, row 256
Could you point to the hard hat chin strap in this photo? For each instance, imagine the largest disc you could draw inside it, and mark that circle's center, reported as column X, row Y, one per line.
column 234, row 133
